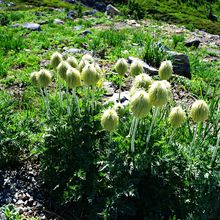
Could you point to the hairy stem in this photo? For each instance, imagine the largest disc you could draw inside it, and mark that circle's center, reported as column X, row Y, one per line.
column 152, row 125
column 133, row 135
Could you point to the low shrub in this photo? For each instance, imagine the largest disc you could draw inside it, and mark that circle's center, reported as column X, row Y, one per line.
column 140, row 168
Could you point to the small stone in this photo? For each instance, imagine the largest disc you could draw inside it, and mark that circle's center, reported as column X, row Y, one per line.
column 77, row 28
column 91, row 12
column 58, row 21
column 71, row 14
column 84, row 33
column 20, row 202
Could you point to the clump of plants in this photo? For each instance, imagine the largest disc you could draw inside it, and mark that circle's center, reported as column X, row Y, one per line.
column 114, row 160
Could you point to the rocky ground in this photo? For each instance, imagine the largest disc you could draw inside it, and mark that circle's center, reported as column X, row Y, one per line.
column 22, row 187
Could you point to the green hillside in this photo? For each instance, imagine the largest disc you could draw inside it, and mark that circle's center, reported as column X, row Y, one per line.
column 193, row 14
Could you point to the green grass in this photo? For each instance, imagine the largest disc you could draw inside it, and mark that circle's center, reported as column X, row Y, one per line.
column 109, row 176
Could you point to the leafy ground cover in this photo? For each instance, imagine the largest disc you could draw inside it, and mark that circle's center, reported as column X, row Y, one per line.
column 89, row 173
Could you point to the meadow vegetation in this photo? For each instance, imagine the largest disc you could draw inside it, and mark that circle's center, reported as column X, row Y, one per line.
column 139, row 161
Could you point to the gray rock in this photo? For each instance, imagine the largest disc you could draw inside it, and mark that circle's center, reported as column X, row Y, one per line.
column 58, row 21
column 32, row 26
column 74, row 51
column 148, row 69
column 193, row 43
column 109, row 87
column 91, row 12
column 181, row 65
column 111, row 10
column 84, row 33
column 15, row 25
column 71, row 14
column 100, row 6
column 78, row 27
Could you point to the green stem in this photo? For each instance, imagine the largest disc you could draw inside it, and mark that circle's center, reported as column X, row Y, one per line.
column 215, row 151
column 76, row 100
column 119, row 96
column 132, row 127
column 67, row 100
column 171, row 137
column 92, row 101
column 47, row 100
column 133, row 135
column 151, row 126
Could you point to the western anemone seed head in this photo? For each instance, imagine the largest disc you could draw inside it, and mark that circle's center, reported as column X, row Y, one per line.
column 177, row 117
column 199, row 111
column 62, row 69
column 88, row 58
column 166, row 70
column 73, row 62
column 97, row 67
column 140, row 104
column 143, row 81
column 89, row 75
column 82, row 64
column 55, row 59
column 73, row 78
column 121, row 66
column 136, row 68
column 110, row 120
column 34, row 78
column 44, row 78
column 158, row 94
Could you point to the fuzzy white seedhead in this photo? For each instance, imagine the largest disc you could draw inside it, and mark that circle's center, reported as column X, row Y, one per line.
column 34, row 78
column 73, row 78
column 177, row 117
column 142, row 81
column 44, row 78
column 136, row 68
column 166, row 70
column 89, row 75
column 55, row 59
column 110, row 120
column 158, row 94
column 199, row 111
column 121, row 66
column 87, row 57
column 73, row 62
column 62, row 69
column 140, row 104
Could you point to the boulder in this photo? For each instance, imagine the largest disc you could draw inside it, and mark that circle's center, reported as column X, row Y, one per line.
column 111, row 10
column 193, row 43
column 32, row 26
column 181, row 65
